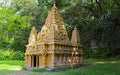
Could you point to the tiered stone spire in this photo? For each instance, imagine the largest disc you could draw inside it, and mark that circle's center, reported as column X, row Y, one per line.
column 54, row 29
column 75, row 37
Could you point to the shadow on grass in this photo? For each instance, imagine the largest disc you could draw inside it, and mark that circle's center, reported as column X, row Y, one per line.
column 5, row 71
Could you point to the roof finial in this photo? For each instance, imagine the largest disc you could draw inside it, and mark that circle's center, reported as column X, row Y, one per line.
column 75, row 28
column 54, row 7
column 33, row 28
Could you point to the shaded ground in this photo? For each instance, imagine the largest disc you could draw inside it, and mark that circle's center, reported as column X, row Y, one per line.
column 27, row 72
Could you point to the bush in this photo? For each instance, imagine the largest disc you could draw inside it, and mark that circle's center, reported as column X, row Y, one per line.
column 19, row 55
column 118, row 57
column 24, row 68
column 97, row 53
column 38, row 69
column 11, row 55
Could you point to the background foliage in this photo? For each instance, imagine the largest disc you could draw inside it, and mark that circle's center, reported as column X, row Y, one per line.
column 11, row 55
column 97, row 21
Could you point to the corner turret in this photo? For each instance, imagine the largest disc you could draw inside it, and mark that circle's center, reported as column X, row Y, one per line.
column 33, row 36
column 75, row 39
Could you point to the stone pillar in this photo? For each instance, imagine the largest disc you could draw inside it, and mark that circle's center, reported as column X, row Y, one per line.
column 67, row 60
column 56, row 60
column 29, row 60
column 60, row 62
column 42, row 61
column 72, row 60
column 77, row 59
column 26, row 60
column 80, row 59
column 64, row 60
column 32, row 60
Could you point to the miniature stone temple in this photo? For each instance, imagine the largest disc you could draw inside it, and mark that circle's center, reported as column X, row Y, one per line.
column 51, row 48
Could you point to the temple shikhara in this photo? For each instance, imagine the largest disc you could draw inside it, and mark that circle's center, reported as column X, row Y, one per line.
column 51, row 47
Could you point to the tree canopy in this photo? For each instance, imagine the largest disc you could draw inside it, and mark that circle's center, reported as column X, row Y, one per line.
column 97, row 21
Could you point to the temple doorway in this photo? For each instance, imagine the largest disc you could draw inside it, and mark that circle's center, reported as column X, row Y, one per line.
column 34, row 65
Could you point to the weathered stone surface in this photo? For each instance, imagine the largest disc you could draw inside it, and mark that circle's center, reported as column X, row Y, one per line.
column 51, row 47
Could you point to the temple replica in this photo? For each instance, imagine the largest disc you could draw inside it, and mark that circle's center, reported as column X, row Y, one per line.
column 51, row 48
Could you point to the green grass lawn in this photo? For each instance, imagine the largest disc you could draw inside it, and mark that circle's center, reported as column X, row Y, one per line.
column 96, row 67
column 7, row 67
